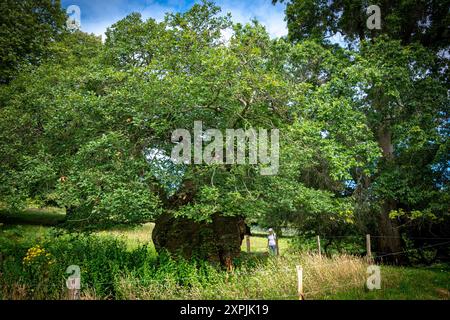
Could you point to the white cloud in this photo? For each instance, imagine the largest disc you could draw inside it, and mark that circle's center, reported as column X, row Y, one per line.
column 272, row 17
column 157, row 11
column 102, row 15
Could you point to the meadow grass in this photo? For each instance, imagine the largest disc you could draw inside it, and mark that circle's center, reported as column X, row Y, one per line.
column 256, row 275
column 258, row 244
column 272, row 278
column 133, row 236
column 340, row 278
column 48, row 216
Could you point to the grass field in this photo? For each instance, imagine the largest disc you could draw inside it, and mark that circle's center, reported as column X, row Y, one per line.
column 260, row 277
column 34, row 216
column 405, row 283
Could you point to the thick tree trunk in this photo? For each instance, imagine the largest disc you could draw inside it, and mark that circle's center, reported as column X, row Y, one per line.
column 389, row 243
column 218, row 242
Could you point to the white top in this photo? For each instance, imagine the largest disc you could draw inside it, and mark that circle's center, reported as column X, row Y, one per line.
column 272, row 238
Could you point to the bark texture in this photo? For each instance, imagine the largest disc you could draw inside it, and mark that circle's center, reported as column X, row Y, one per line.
column 218, row 242
column 390, row 242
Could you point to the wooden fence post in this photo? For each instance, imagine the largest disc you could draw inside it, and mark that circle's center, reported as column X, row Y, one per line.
column 368, row 248
column 73, row 284
column 318, row 247
column 73, row 288
column 247, row 239
column 278, row 247
column 74, row 294
column 301, row 296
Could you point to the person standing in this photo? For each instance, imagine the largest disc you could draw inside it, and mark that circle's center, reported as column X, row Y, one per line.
column 272, row 242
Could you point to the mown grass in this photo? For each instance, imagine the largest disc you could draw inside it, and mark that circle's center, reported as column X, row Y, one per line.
column 29, row 234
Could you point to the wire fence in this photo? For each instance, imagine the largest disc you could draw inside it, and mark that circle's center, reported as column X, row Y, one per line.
column 362, row 238
column 413, row 249
column 257, row 272
column 392, row 237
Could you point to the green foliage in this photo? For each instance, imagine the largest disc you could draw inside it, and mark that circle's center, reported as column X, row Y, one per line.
column 39, row 266
column 101, row 260
column 409, row 21
column 354, row 245
column 358, row 129
column 81, row 141
column 28, row 28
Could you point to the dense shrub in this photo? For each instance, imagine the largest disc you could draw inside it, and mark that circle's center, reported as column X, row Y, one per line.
column 36, row 269
column 40, row 269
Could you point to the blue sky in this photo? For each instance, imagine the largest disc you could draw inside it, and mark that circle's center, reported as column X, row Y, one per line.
column 96, row 16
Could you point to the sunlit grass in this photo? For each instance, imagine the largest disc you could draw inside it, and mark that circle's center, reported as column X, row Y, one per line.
column 258, row 244
column 341, row 277
column 258, row 276
column 133, row 236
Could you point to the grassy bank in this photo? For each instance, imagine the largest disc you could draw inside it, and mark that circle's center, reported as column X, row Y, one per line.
column 123, row 264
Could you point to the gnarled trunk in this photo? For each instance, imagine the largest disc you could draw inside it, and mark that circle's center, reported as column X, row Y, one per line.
column 219, row 241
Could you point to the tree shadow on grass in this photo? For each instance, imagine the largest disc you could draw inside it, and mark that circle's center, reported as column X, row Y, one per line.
column 33, row 216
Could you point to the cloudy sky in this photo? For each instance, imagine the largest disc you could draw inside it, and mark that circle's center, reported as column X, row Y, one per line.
column 96, row 16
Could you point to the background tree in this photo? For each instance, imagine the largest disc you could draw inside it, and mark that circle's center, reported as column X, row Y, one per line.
column 28, row 27
column 420, row 21
column 402, row 91
column 406, row 109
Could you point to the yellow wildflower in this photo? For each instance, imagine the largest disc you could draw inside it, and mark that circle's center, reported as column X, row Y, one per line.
column 35, row 252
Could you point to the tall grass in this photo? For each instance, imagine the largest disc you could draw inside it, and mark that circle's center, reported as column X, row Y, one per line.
column 124, row 265
column 111, row 270
column 275, row 278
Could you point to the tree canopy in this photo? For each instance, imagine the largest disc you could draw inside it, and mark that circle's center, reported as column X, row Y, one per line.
column 425, row 22
column 28, row 27
column 363, row 133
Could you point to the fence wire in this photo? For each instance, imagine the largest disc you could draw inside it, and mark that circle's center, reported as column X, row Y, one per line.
column 252, row 273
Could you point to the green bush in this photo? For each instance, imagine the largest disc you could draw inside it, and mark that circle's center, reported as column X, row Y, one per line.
column 37, row 270
column 41, row 267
